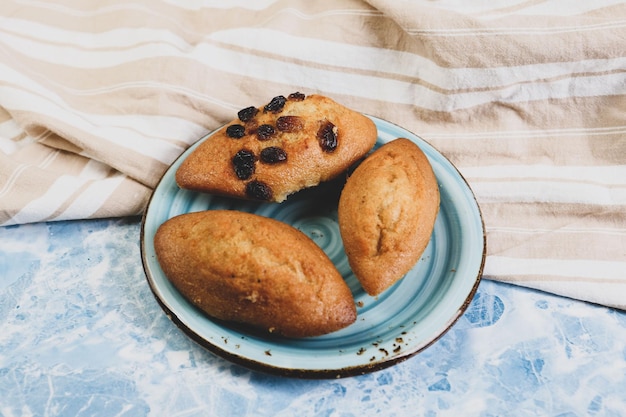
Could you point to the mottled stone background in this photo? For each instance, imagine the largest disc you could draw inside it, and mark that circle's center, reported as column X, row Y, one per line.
column 81, row 334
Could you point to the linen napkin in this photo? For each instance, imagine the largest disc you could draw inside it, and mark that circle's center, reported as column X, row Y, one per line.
column 527, row 98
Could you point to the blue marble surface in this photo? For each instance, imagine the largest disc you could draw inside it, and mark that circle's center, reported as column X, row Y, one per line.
column 81, row 334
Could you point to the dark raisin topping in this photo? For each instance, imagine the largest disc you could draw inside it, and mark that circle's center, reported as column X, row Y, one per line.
column 245, row 115
column 273, row 155
column 327, row 136
column 236, row 131
column 297, row 96
column 243, row 164
column 289, row 123
column 276, row 104
column 264, row 132
column 259, row 191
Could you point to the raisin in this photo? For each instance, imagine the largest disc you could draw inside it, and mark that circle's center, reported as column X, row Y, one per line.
column 259, row 191
column 289, row 123
column 245, row 115
column 276, row 104
column 236, row 131
column 273, row 155
column 327, row 136
column 264, row 132
column 243, row 164
column 297, row 96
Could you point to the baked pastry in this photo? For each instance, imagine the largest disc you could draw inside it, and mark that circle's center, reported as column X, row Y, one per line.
column 272, row 151
column 387, row 211
column 239, row 267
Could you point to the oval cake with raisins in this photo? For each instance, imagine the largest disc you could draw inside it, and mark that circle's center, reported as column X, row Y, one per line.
column 236, row 266
column 387, row 211
column 275, row 150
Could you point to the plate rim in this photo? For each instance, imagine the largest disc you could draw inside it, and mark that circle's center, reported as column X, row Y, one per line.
column 311, row 373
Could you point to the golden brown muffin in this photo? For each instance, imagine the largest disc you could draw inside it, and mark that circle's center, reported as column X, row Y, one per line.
column 245, row 268
column 387, row 212
column 272, row 151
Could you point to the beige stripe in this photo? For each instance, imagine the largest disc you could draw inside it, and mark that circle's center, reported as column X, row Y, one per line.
column 191, row 24
column 562, row 244
column 31, row 171
column 332, row 29
column 490, row 10
column 599, row 291
column 57, row 142
column 32, row 183
column 142, row 85
column 34, row 154
column 434, row 88
column 543, row 216
column 58, row 213
column 129, row 199
column 430, row 20
column 50, row 159
column 509, row 133
column 136, row 165
column 555, row 230
column 454, row 87
column 527, row 26
column 512, row 50
column 563, row 279
column 124, row 87
column 4, row 115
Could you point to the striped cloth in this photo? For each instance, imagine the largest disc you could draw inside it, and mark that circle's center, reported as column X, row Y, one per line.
column 526, row 97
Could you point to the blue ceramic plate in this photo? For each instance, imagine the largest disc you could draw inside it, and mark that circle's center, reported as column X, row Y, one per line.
column 390, row 327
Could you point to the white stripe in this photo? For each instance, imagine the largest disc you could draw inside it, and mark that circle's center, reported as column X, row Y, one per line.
column 42, row 208
column 94, row 170
column 403, row 63
column 58, row 193
column 6, row 188
column 7, row 146
column 77, row 51
column 501, row 266
column 12, row 179
column 48, row 159
column 396, row 91
column 133, row 36
column 10, row 129
column 610, row 175
column 547, row 192
column 92, row 198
